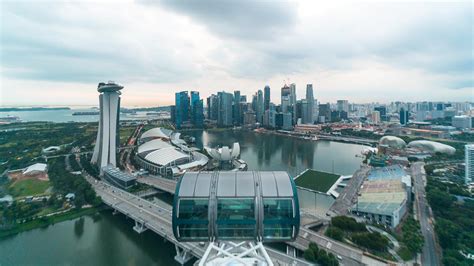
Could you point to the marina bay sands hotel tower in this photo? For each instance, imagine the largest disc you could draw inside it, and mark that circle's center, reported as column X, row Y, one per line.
column 105, row 149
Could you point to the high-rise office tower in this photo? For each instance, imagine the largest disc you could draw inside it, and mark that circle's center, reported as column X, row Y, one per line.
column 105, row 149
column 293, row 94
column 469, row 154
column 285, row 94
column 212, row 107
column 324, row 113
column 182, row 108
column 197, row 110
column 237, row 111
column 224, row 114
column 383, row 112
column 266, row 96
column 198, row 113
column 285, row 104
column 404, row 116
column 260, row 106
column 310, row 104
column 343, row 105
column 375, row 117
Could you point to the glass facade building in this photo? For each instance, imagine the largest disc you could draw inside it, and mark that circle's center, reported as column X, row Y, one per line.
column 181, row 108
column 230, row 206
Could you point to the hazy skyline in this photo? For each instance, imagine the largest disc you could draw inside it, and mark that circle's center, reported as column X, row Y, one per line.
column 55, row 53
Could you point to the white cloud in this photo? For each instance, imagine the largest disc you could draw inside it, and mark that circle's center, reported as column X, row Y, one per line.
column 367, row 51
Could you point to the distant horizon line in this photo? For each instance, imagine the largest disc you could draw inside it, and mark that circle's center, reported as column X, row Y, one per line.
column 77, row 106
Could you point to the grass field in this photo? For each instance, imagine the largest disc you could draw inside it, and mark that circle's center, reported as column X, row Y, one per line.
column 316, row 180
column 28, row 187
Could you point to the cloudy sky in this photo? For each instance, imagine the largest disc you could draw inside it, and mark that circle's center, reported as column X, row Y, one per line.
column 55, row 52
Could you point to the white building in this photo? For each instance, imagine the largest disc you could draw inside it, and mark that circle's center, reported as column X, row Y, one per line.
column 469, row 151
column 105, row 149
column 375, row 117
column 37, row 168
column 462, row 122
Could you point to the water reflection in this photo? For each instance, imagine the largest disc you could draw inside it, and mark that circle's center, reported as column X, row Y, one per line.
column 275, row 152
column 79, row 227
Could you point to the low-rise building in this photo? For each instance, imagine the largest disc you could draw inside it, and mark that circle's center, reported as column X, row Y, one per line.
column 114, row 176
column 462, row 122
column 384, row 196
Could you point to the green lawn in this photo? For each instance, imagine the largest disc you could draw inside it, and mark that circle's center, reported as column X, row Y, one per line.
column 28, row 187
column 316, row 180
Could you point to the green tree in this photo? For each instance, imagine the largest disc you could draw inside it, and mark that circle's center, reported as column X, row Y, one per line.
column 335, row 233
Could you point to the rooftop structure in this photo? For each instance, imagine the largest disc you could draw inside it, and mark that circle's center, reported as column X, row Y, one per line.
column 167, row 156
column 163, row 152
column 35, row 169
column 316, row 180
column 118, row 178
column 110, row 86
column 393, row 142
column 153, row 145
column 230, row 206
column 384, row 195
column 51, row 149
column 432, row 146
column 156, row 133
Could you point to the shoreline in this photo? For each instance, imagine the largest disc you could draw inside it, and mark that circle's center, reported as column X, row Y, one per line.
column 42, row 223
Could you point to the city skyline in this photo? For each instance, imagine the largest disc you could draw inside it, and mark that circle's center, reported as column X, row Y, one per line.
column 391, row 53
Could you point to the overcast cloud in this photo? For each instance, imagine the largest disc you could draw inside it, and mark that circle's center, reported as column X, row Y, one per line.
column 55, row 52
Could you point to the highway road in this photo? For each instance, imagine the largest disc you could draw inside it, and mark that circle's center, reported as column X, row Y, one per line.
column 158, row 219
column 165, row 184
column 429, row 255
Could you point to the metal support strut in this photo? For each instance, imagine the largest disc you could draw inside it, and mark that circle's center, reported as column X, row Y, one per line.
column 230, row 253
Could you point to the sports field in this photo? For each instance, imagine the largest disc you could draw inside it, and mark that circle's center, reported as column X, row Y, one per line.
column 28, row 187
column 316, row 180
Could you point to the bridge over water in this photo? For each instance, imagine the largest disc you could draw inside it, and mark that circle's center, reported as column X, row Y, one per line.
column 349, row 255
column 149, row 216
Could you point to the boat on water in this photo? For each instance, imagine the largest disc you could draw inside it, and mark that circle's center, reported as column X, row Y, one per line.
column 86, row 113
column 9, row 119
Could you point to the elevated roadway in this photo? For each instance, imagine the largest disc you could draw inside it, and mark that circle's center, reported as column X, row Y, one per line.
column 148, row 215
column 349, row 255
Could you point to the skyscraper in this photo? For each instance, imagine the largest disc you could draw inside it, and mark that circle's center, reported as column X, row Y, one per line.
column 237, row 111
column 343, row 105
column 324, row 113
column 375, row 117
column 224, row 114
column 212, row 107
column 266, row 96
column 404, row 116
column 182, row 108
column 285, row 95
column 292, row 94
column 260, row 106
column 383, row 112
column 469, row 154
column 105, row 149
column 197, row 110
column 310, row 104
